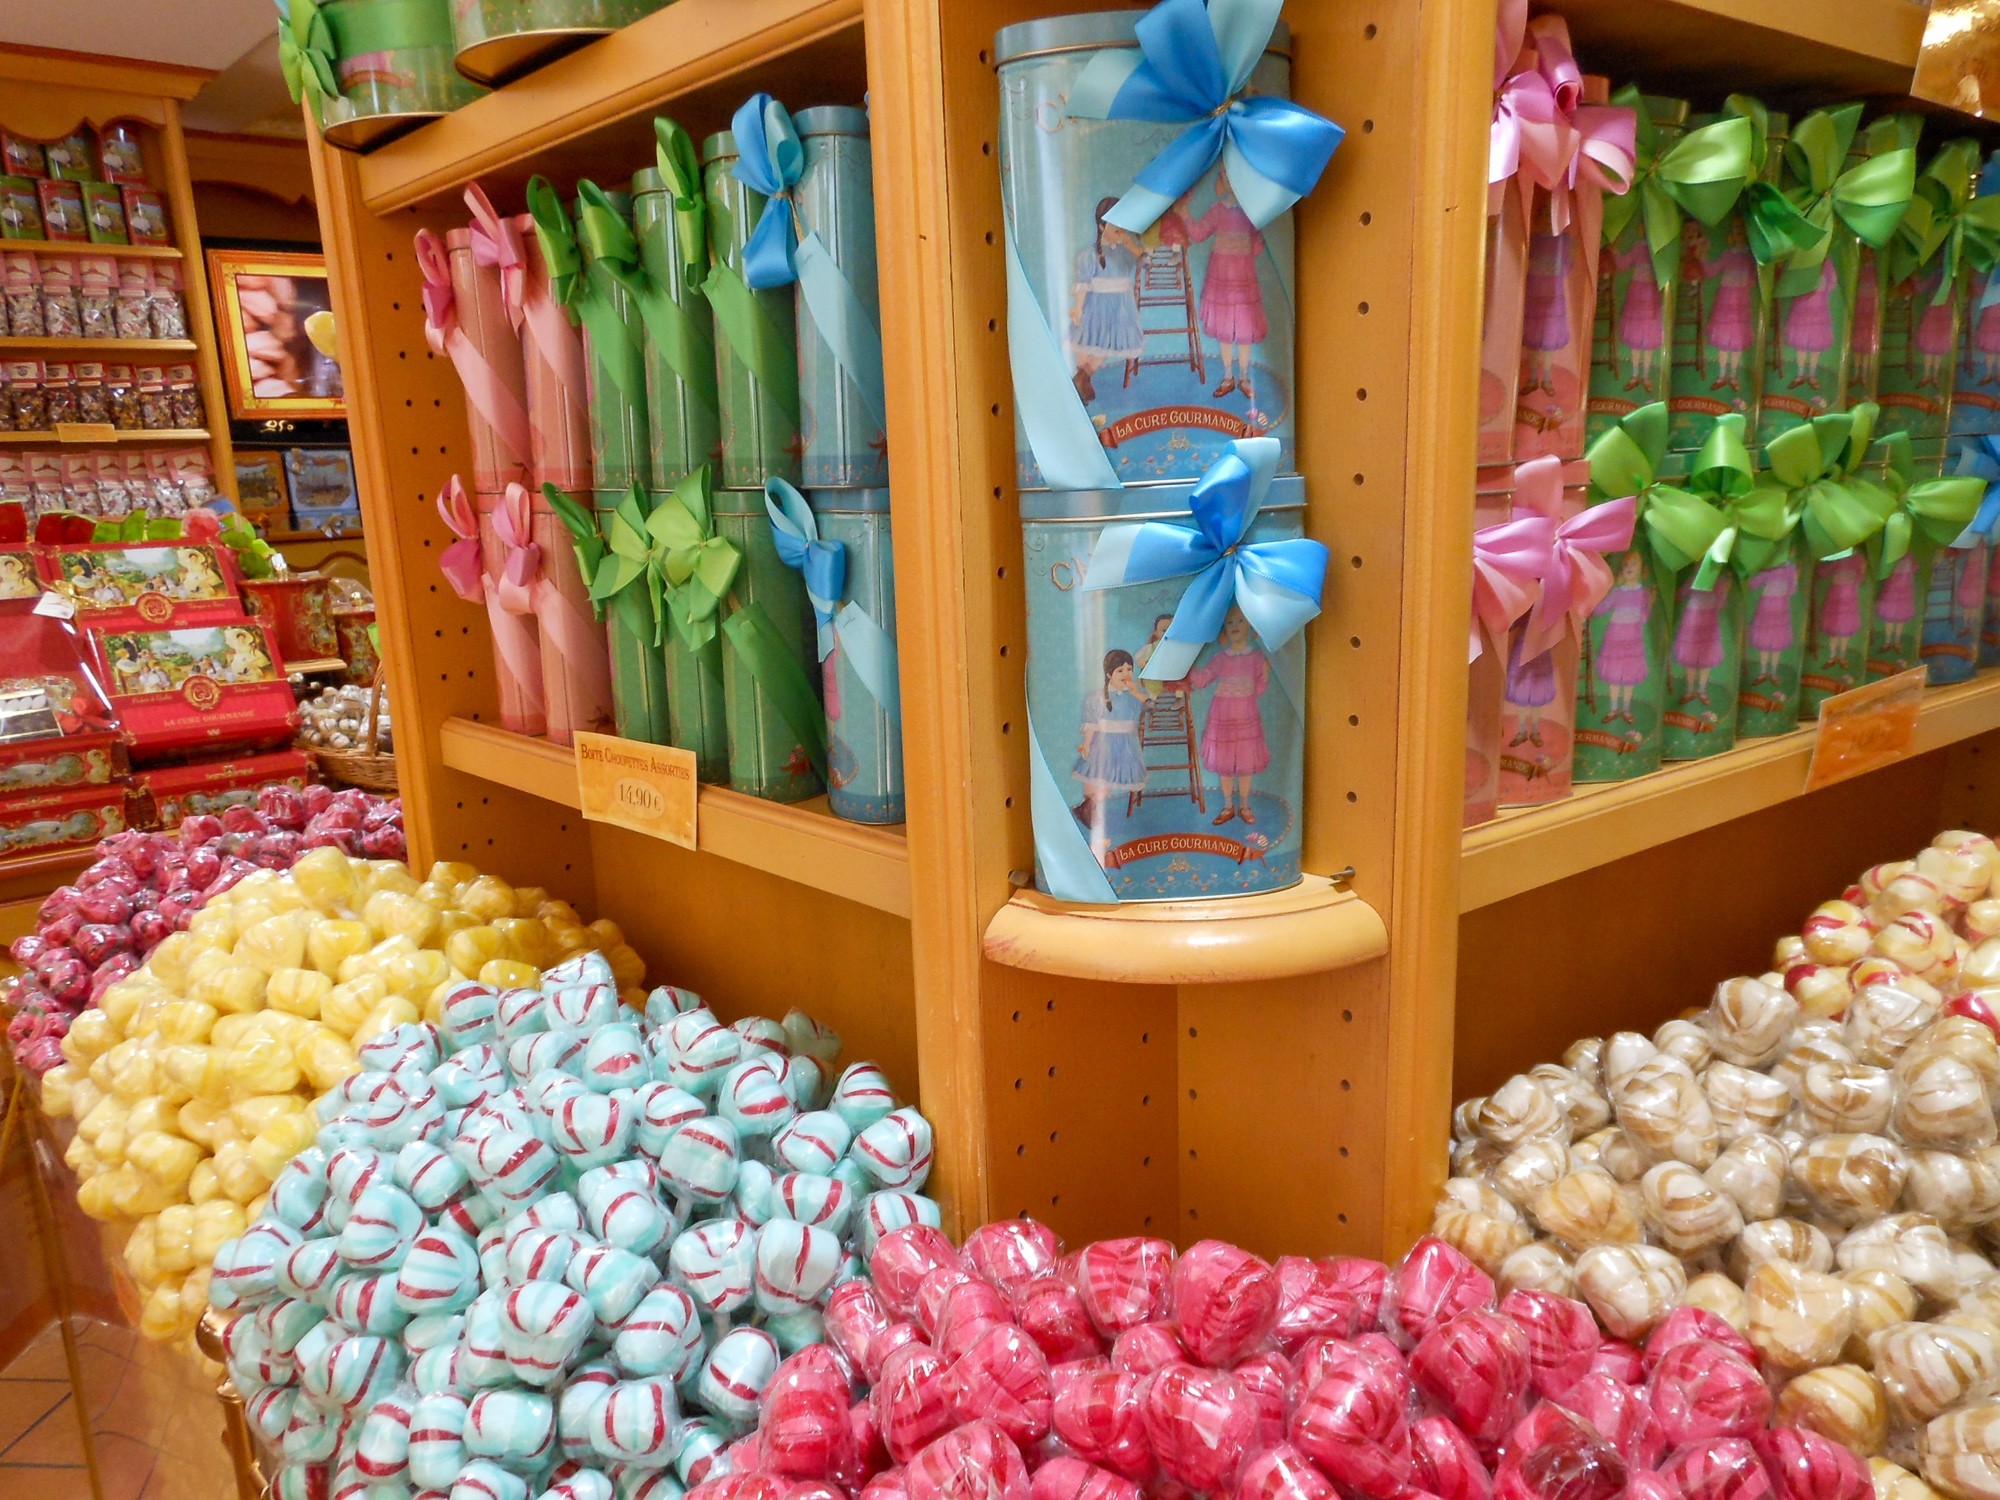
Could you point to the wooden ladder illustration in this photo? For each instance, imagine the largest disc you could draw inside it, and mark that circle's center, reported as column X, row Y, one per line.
column 1163, row 280
column 1167, row 722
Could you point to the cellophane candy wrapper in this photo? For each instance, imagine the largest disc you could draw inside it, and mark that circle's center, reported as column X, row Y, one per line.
column 1225, row 1301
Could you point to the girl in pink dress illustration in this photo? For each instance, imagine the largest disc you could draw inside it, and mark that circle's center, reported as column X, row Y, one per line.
column 1621, row 663
column 1809, row 327
column 1839, row 617
column 1232, row 301
column 1930, row 340
column 1641, row 329
column 1697, row 647
column 1531, row 687
column 1104, row 302
column 1968, row 595
column 1232, row 741
column 1770, row 633
column 1982, row 339
column 1545, row 330
column 1896, row 603
column 1731, row 330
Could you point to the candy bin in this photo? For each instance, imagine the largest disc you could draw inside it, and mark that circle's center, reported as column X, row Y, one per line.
column 1848, row 512
column 374, row 69
column 670, row 219
column 1923, row 311
column 497, row 41
column 777, row 729
column 839, row 540
column 1170, row 694
column 1929, row 516
column 1149, row 327
column 756, row 345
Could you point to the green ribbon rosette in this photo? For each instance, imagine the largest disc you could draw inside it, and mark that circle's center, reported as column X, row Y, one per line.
column 1946, row 222
column 1676, row 528
column 1768, row 515
column 1842, row 507
column 666, row 564
column 1772, row 225
column 585, row 539
column 679, row 165
column 612, row 266
column 1869, row 198
column 1927, row 514
column 1701, row 174
column 561, row 256
column 306, row 54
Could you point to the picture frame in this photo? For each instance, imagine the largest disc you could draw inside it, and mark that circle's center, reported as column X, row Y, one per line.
column 324, row 494
column 263, row 301
column 263, row 493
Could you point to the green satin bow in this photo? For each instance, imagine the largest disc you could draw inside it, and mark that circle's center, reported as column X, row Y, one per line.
column 1797, row 464
column 696, row 566
column 1703, row 174
column 1843, row 506
column 680, row 169
column 1773, row 227
column 305, row 54
column 584, row 536
column 1928, row 514
column 1869, row 198
column 1947, row 222
column 1677, row 528
column 1723, row 475
column 613, row 264
column 560, row 255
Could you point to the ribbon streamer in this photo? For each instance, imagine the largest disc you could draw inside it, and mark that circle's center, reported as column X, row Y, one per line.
column 509, row 614
column 1191, row 68
column 679, row 165
column 496, row 242
column 497, row 406
column 687, row 344
column 1070, row 872
column 585, row 538
column 554, row 290
column 1277, row 584
column 1060, row 433
column 1979, row 458
column 821, row 563
column 613, row 266
column 525, row 586
column 1928, row 513
column 1509, row 561
column 761, row 648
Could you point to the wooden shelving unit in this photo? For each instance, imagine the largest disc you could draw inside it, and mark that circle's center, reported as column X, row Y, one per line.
column 85, row 247
column 12, row 345
column 156, row 435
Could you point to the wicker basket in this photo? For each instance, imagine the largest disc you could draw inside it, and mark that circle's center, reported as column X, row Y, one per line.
column 370, row 769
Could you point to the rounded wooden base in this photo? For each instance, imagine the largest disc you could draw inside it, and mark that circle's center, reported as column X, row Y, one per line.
column 501, row 59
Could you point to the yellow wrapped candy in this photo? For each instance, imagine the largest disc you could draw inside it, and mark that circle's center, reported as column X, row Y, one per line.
column 331, row 944
column 348, row 1003
column 325, row 877
column 471, row 948
column 508, row 974
column 488, row 897
column 186, row 1021
column 277, row 942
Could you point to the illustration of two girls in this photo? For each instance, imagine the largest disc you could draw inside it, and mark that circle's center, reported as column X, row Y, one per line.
column 1109, row 759
column 1104, row 297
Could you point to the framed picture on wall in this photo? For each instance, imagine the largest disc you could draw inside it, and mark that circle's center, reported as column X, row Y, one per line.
column 269, row 305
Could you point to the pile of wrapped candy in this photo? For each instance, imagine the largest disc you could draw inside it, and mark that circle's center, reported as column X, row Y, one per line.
column 526, row 1236
column 144, row 886
column 1811, row 1159
column 192, row 1079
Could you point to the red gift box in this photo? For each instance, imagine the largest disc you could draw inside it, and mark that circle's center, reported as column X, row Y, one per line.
column 213, row 688
column 128, row 586
column 168, row 794
column 32, row 826
column 299, row 610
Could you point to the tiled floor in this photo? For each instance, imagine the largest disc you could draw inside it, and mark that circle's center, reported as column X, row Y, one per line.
column 158, row 1430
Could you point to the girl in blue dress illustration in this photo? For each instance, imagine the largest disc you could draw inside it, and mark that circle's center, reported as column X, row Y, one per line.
column 1108, row 759
column 1104, row 302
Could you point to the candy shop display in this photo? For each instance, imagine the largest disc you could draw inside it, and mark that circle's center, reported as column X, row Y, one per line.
column 143, row 887
column 337, row 719
column 532, row 1234
column 192, row 1079
column 1806, row 1167
column 372, row 69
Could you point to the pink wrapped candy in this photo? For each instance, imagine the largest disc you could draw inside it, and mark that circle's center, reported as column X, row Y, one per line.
column 805, row 1432
column 977, row 1462
column 887, row 1485
column 1433, row 1282
column 1003, row 1377
column 1012, row 1253
column 1315, row 1300
column 902, row 1259
column 1475, row 1368
column 1703, row 1390
column 1274, row 1385
column 909, row 1401
column 1622, row 1414
column 1073, row 1479
column 1124, row 1282
column 1281, row 1472
column 1686, row 1324
column 1448, row 1466
column 1147, row 1348
column 1371, row 1354
column 1098, row 1413
column 1352, row 1423
column 1553, row 1454
column 1562, row 1338
column 1725, row 1469
column 969, row 1309
column 854, row 1315
column 1805, row 1465
column 1053, row 1314
column 1225, row 1299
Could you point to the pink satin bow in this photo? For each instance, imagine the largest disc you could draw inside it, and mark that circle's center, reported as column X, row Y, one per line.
column 497, row 242
column 1577, row 578
column 1600, row 147
column 1508, row 563
column 440, row 301
column 508, row 613
column 460, row 563
column 1528, row 135
column 514, row 524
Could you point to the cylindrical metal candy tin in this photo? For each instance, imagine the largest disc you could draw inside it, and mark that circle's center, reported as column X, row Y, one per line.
column 482, row 314
column 499, row 40
column 638, row 665
column 614, row 357
column 756, row 336
column 845, row 441
column 556, row 383
column 1178, row 789
column 1180, row 339
column 697, row 710
column 393, row 64
column 768, row 756
column 681, row 409
column 1954, row 611
column 864, row 736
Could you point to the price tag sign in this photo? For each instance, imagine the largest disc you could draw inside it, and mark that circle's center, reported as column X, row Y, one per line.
column 650, row 789
column 1866, row 728
column 86, row 432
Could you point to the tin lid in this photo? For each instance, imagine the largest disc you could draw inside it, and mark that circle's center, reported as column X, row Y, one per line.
column 831, row 119
column 833, row 502
column 718, row 147
column 1137, row 501
column 1100, row 28
column 647, row 180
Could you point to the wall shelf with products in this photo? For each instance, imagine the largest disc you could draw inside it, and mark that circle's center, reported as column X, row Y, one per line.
column 138, row 435
column 76, row 247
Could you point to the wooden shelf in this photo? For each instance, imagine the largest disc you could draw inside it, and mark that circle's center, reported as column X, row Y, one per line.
column 82, row 247
column 95, row 346
column 591, row 113
column 301, row 538
column 1709, row 46
column 800, row 841
column 1312, row 928
column 157, row 435
column 1533, row 846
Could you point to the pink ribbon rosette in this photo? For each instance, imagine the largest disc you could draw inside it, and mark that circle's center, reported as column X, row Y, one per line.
column 1530, row 135
column 517, row 651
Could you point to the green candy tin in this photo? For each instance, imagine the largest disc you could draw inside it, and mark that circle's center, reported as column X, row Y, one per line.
column 768, row 662
column 497, row 41
column 392, row 60
column 756, row 345
column 681, row 404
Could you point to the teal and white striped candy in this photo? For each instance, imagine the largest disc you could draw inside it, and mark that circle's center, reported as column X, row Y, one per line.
column 543, row 1325
column 436, row 1370
column 440, row 1274
column 310, row 1439
column 541, row 1051
column 823, row 1202
column 269, row 1412
column 638, row 1422
column 662, row 1109
column 299, row 1481
column 614, row 1058
column 698, row 1050
column 584, row 1006
column 808, row 1037
column 700, row 1160
column 590, row 967
column 648, row 1484
column 752, row 1200
column 519, row 1012
column 384, row 1222
column 592, row 1130
column 362, row 1369
column 430, row 1330
column 382, row 1449
column 429, row 1175
column 735, row 1374
column 613, row 1281
column 469, row 1010
column 808, row 1080
column 482, row 1357
column 472, row 1076
column 795, row 1266
column 313, row 1358
column 286, row 1320
column 349, row 1171
column 862, row 1095
column 548, row 1088
column 884, row 1213
column 512, row 1427
column 895, row 1151
column 247, row 1350
column 753, row 1098
column 662, row 1336
column 813, row 1142
column 576, row 1408
column 558, row 1210
column 513, row 1167
column 796, row 1330
column 702, row 1441
column 623, row 1211
column 761, row 1034
column 483, row 1479
column 245, row 1269
column 541, row 1254
column 308, row 1270
column 299, row 1192
column 411, row 1044
column 437, row 1439
column 717, row 1262
column 584, row 1484
column 666, row 1001
column 365, row 1302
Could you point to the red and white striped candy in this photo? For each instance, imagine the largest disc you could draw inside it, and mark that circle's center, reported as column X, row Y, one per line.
column 1225, row 1300
column 382, row 1450
column 795, row 1266
column 978, row 1459
column 716, row 1261
column 663, row 1109
column 299, row 1193
column 437, row 1438
column 638, row 1422
column 804, row 1431
column 1001, row 1376
column 662, row 1336
column 862, row 1095
column 591, row 1129
column 753, row 1098
column 614, row 1058
column 1011, row 1253
column 542, row 1326
column 514, row 1166
column 472, row 1076
column 699, row 1161
column 286, row 1320
column 884, row 1213
column 469, row 1010
column 734, row 1375
column 1125, row 1282
column 896, row 1150
column 813, row 1142
column 519, row 1012
column 854, row 1318
column 909, row 1400
column 414, row 1044
column 900, row 1262
column 428, row 1175
column 808, row 1080
column 247, row 1347
column 270, row 1411
column 665, row 1001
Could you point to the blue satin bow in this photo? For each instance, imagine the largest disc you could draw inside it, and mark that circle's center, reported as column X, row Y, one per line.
column 823, row 564
column 1277, row 585
column 1192, row 66
column 769, row 161
column 1979, row 458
